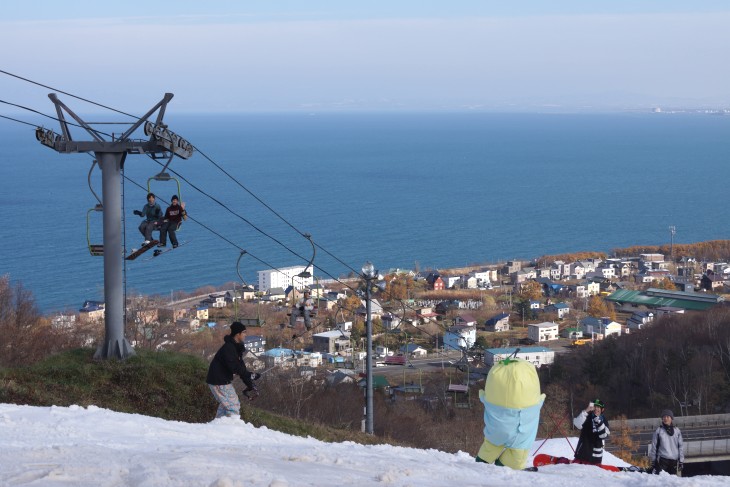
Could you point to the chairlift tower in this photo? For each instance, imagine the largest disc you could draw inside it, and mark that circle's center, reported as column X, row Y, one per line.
column 111, row 155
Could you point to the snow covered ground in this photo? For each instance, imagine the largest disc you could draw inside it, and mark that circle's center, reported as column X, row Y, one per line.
column 75, row 446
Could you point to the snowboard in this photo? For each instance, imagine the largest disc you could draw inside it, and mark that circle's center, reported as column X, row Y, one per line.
column 137, row 252
column 161, row 251
column 543, row 459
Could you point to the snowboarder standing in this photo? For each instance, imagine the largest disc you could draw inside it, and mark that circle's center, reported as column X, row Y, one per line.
column 227, row 362
column 666, row 451
column 593, row 432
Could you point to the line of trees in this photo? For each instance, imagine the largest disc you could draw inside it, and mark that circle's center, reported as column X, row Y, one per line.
column 713, row 250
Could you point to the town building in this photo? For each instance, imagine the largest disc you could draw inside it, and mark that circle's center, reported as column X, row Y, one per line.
column 538, row 356
column 331, row 341
column 460, row 336
column 283, row 278
column 542, row 332
column 497, row 323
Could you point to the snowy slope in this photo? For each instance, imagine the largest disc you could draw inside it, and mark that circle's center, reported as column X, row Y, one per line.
column 75, row 446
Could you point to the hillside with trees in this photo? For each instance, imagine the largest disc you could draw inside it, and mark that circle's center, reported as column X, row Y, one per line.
column 679, row 362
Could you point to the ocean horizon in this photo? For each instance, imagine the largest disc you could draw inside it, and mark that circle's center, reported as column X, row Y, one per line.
column 435, row 190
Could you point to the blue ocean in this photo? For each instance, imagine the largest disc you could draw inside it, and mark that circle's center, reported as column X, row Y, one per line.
column 400, row 190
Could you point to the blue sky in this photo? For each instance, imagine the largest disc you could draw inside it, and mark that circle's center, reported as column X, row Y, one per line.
column 241, row 56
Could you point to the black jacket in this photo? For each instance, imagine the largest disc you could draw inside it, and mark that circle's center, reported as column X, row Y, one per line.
column 594, row 430
column 228, row 360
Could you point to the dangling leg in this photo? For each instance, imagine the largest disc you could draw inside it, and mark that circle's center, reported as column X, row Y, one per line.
column 307, row 319
column 293, row 317
column 163, row 234
column 171, row 230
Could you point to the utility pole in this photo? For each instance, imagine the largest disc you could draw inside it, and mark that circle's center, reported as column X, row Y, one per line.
column 111, row 155
column 672, row 231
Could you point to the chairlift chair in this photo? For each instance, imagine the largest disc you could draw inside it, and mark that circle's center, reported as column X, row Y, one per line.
column 96, row 250
column 165, row 177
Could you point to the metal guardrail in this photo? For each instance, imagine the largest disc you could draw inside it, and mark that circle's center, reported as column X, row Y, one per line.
column 704, row 421
column 707, row 448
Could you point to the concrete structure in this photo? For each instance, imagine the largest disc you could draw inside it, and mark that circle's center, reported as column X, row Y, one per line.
column 331, row 341
column 283, row 278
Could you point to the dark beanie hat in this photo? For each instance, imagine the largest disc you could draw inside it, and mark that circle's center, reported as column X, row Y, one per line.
column 237, row 327
column 174, row 197
column 667, row 412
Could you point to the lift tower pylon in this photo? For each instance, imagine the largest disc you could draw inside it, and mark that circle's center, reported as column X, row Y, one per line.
column 111, row 155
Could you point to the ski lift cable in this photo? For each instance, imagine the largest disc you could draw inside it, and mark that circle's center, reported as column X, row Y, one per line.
column 19, row 121
column 214, row 232
column 67, row 93
column 226, row 207
column 195, row 147
column 51, row 117
column 257, row 198
column 201, row 223
column 254, row 226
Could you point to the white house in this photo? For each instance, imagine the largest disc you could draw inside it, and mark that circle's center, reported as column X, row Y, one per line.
column 344, row 326
column 561, row 309
column 608, row 272
column 542, row 332
column 460, row 336
column 639, row 319
column 390, row 321
column 470, row 282
column 450, row 281
column 577, row 271
column 482, row 277
column 536, row 355
column 283, row 278
column 414, row 350
column 603, row 327
column 497, row 323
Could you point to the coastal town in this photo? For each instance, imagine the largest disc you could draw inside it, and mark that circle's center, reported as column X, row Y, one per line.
column 465, row 318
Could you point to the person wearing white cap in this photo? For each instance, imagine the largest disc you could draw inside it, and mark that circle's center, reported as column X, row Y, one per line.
column 666, row 452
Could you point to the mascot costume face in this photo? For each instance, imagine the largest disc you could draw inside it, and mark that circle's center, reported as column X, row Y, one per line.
column 512, row 403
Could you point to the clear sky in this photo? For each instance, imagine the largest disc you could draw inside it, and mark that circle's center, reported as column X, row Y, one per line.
column 317, row 55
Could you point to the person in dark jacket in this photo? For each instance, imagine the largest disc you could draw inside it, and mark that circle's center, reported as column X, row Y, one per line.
column 666, row 451
column 152, row 214
column 593, row 432
column 227, row 362
column 174, row 215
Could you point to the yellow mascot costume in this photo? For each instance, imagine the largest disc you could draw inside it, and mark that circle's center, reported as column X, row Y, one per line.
column 512, row 402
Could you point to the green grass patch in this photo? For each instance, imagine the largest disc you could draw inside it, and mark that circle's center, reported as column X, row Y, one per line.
column 166, row 385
